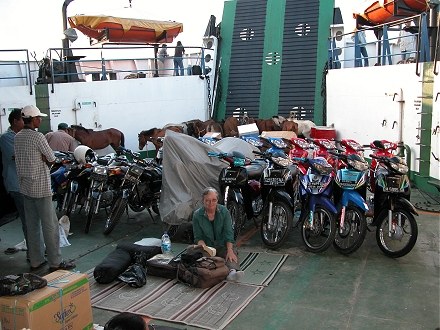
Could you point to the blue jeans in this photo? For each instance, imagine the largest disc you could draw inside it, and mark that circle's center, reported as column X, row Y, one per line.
column 178, row 63
column 41, row 218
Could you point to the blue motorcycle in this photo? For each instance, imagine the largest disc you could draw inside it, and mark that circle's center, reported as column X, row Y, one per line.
column 317, row 219
column 349, row 192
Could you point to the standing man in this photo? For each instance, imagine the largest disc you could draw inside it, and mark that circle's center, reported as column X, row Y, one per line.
column 9, row 170
column 61, row 140
column 32, row 153
column 178, row 59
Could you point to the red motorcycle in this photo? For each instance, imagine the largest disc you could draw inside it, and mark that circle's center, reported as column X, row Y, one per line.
column 380, row 148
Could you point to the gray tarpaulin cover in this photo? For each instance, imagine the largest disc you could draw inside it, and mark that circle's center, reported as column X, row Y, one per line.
column 187, row 170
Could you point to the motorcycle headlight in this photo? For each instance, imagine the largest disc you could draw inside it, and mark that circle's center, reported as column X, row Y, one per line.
column 354, row 145
column 321, row 166
column 358, row 164
column 102, row 170
column 255, row 142
column 328, row 144
column 399, row 165
column 282, row 161
column 279, row 143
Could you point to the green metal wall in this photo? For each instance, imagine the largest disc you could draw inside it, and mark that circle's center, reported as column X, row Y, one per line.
column 276, row 34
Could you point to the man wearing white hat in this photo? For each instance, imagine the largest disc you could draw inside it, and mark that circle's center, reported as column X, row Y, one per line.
column 32, row 154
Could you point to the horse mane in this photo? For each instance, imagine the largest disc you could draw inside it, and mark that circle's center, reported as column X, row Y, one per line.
column 80, row 128
column 149, row 132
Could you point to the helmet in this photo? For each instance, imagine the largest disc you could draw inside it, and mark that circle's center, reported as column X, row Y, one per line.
column 83, row 154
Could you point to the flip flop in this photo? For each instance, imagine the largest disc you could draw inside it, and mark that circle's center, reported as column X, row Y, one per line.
column 11, row 251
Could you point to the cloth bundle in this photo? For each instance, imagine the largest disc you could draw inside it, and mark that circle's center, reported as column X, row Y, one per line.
column 120, row 259
column 13, row 285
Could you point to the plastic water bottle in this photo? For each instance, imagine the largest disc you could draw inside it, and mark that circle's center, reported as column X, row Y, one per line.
column 166, row 244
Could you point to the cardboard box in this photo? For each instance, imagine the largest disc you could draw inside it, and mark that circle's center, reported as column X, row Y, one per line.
column 64, row 304
column 279, row 134
column 248, row 130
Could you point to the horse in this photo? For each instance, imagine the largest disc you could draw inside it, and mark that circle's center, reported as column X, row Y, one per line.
column 203, row 127
column 304, row 127
column 155, row 135
column 188, row 127
column 230, row 126
column 271, row 124
column 291, row 126
column 97, row 139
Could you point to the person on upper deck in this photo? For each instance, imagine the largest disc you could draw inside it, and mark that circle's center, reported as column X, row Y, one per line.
column 407, row 42
column 212, row 226
column 61, row 140
column 178, row 59
column 362, row 42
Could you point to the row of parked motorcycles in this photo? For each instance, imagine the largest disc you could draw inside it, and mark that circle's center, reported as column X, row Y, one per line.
column 81, row 180
column 320, row 186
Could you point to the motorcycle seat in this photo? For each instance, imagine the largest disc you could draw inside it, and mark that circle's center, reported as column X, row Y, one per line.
column 254, row 171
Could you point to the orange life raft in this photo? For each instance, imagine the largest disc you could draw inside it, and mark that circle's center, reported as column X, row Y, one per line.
column 126, row 30
column 385, row 11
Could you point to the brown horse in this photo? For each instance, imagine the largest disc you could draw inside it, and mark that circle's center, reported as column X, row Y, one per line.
column 290, row 126
column 230, row 126
column 155, row 136
column 271, row 124
column 203, row 127
column 97, row 139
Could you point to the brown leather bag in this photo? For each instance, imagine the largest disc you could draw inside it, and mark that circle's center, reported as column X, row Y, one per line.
column 205, row 272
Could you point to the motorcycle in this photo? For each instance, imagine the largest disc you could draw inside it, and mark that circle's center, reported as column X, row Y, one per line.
column 396, row 227
column 317, row 219
column 105, row 178
column 77, row 175
column 278, row 191
column 240, row 186
column 351, row 176
column 140, row 189
column 58, row 175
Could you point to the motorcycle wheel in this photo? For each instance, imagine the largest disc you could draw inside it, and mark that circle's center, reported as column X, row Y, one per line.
column 353, row 234
column 238, row 217
column 155, row 208
column 274, row 235
column 70, row 202
column 134, row 201
column 322, row 235
column 403, row 238
column 115, row 214
column 90, row 214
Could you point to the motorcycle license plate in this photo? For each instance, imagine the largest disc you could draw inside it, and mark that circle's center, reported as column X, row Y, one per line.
column 98, row 177
column 393, row 189
column 134, row 173
column 270, row 181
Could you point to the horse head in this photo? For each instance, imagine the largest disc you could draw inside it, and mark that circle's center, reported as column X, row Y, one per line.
column 145, row 136
column 153, row 135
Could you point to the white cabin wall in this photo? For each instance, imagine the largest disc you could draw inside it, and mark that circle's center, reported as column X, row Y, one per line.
column 132, row 105
column 13, row 97
column 360, row 99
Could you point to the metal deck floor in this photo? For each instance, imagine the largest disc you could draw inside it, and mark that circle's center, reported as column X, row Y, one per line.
column 365, row 290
